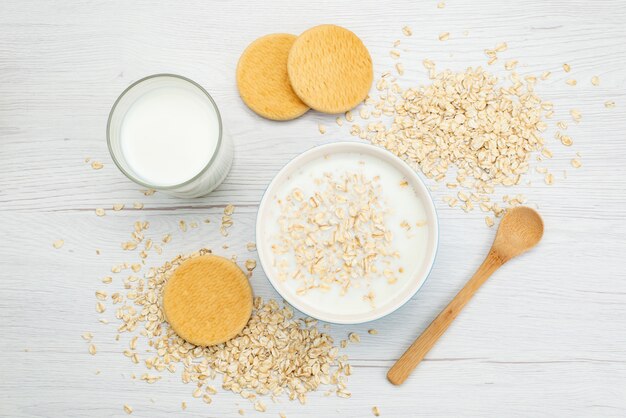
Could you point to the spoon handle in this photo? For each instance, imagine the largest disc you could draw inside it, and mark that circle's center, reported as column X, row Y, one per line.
column 416, row 352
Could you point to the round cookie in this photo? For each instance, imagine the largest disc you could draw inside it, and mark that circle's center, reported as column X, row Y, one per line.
column 208, row 300
column 330, row 69
column 262, row 78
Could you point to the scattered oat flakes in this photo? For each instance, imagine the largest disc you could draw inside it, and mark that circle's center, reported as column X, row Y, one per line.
column 310, row 354
column 372, row 331
column 376, row 411
column 100, row 212
column 118, row 206
column 546, row 75
column 400, row 68
column 92, row 349
column 395, row 54
column 566, row 140
column 182, row 225
column 96, row 165
column 260, row 406
column 354, row 337
column 595, row 80
column 150, row 379
column 343, row 393
column 444, row 36
column 58, row 243
column 138, row 205
column 87, row 336
column 576, row 163
column 441, row 5
column 546, row 153
column 321, row 128
column 407, row 31
column 148, row 192
column 287, row 348
column 428, row 64
column 227, row 220
column 567, row 68
column 100, row 308
column 241, row 412
column 183, row 405
column 489, row 221
column 128, row 409
column 251, row 246
column 549, row 179
column 576, row 115
column 571, row 82
column 510, row 65
column 129, row 245
column 250, row 264
column 609, row 104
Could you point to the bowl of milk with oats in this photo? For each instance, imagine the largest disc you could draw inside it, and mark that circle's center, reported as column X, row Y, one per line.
column 347, row 232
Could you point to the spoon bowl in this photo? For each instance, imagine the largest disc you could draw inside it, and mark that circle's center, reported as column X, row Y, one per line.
column 521, row 229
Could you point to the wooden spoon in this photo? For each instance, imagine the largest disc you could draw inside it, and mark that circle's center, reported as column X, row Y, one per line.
column 521, row 229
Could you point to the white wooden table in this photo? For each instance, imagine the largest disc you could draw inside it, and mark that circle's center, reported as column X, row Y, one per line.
column 546, row 336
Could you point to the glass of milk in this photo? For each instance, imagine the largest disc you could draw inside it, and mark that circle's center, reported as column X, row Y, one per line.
column 165, row 133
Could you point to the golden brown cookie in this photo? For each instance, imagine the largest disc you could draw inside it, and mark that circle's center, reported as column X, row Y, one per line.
column 208, row 300
column 263, row 81
column 330, row 69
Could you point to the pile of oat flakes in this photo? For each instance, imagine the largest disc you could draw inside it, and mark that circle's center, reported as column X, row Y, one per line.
column 276, row 354
column 469, row 129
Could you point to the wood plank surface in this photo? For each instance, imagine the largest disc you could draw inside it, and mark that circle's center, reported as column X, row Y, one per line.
column 545, row 336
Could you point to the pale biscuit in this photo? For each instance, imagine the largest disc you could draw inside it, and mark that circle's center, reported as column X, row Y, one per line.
column 208, row 300
column 330, row 69
column 262, row 78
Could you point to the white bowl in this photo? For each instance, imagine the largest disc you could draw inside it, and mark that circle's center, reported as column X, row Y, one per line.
column 263, row 238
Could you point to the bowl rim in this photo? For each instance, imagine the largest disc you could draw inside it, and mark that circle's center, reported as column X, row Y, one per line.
column 385, row 156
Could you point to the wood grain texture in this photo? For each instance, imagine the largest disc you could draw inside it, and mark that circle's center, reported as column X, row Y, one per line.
column 546, row 336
